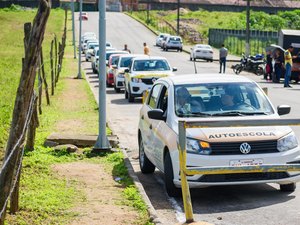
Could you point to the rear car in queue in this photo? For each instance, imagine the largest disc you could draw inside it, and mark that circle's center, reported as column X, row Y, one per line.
column 216, row 98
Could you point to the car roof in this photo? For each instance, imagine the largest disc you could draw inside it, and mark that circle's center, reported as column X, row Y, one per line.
column 130, row 55
column 205, row 78
column 202, row 45
column 142, row 57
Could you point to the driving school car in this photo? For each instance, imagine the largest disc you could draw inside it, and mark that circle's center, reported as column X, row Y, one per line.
column 143, row 72
column 205, row 100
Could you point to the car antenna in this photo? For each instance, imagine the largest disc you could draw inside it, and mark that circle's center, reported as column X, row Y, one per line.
column 195, row 67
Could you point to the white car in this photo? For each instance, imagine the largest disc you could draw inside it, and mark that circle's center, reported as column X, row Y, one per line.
column 95, row 57
column 194, row 98
column 90, row 48
column 91, row 42
column 173, row 42
column 119, row 71
column 143, row 72
column 159, row 39
column 201, row 51
column 85, row 40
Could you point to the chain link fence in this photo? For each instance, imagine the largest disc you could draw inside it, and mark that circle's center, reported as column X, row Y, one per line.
column 235, row 40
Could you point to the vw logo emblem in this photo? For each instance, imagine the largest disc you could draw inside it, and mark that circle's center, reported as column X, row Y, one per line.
column 154, row 79
column 245, row 148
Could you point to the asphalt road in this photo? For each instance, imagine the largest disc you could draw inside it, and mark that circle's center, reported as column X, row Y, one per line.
column 229, row 205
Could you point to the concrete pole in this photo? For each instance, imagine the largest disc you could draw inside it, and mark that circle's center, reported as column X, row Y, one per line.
column 73, row 28
column 80, row 29
column 248, row 29
column 102, row 141
column 178, row 16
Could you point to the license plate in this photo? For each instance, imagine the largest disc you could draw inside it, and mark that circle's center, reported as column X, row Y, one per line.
column 246, row 162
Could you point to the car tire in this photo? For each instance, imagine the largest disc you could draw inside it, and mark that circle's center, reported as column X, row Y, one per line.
column 94, row 71
column 145, row 164
column 288, row 187
column 171, row 189
column 126, row 94
column 118, row 90
column 191, row 59
column 130, row 97
column 166, row 49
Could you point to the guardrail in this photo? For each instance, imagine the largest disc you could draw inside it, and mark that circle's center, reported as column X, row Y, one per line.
column 183, row 125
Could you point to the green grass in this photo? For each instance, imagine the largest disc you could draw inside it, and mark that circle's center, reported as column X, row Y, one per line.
column 46, row 198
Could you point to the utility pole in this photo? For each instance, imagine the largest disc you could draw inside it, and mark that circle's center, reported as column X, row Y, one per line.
column 178, row 16
column 248, row 29
column 102, row 143
column 80, row 29
column 73, row 28
column 148, row 9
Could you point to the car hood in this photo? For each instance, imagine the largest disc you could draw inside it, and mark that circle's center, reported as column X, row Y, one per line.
column 235, row 134
column 150, row 74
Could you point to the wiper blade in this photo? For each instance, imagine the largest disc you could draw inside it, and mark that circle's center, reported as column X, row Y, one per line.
column 238, row 113
column 195, row 114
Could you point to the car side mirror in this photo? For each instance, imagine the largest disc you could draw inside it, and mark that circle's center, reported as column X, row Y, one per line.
column 283, row 109
column 174, row 69
column 156, row 114
column 126, row 70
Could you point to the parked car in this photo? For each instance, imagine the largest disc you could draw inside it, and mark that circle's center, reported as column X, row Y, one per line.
column 86, row 45
column 160, row 38
column 90, row 49
column 173, row 42
column 108, row 53
column 143, row 72
column 84, row 16
column 186, row 97
column 95, row 57
column 85, row 40
column 201, row 51
column 112, row 63
column 119, row 70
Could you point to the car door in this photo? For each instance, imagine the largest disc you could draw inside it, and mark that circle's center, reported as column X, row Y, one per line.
column 159, row 129
column 146, row 126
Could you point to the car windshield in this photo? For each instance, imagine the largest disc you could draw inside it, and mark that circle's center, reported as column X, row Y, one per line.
column 151, row 65
column 108, row 54
column 220, row 99
column 125, row 61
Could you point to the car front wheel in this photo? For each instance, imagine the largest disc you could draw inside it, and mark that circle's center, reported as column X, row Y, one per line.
column 288, row 187
column 145, row 164
column 171, row 189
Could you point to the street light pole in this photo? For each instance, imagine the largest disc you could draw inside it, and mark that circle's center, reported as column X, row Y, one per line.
column 73, row 28
column 80, row 29
column 248, row 29
column 178, row 16
column 102, row 143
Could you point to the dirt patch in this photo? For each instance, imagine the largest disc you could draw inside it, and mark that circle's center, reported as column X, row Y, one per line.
column 102, row 193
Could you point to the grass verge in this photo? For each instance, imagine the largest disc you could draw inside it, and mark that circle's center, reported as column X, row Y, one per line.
column 45, row 197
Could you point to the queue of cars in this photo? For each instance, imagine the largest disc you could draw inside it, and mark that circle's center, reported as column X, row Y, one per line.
column 213, row 97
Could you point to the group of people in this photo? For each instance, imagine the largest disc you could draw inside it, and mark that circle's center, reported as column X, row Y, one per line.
column 146, row 48
column 281, row 63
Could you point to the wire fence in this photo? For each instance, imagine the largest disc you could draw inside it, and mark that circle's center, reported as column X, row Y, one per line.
column 235, row 40
column 13, row 160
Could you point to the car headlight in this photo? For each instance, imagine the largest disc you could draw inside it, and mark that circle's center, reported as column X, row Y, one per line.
column 121, row 75
column 287, row 142
column 197, row 147
column 136, row 80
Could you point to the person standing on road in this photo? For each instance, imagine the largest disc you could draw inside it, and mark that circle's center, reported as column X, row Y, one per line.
column 278, row 66
column 288, row 60
column 146, row 49
column 222, row 58
column 126, row 49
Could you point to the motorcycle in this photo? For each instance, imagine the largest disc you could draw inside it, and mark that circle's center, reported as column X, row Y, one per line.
column 255, row 64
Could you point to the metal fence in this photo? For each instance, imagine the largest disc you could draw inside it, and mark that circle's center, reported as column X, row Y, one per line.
column 235, row 40
column 184, row 171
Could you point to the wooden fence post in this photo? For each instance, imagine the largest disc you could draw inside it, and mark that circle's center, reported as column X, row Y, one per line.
column 52, row 69
column 55, row 63
column 40, row 86
column 44, row 78
column 34, row 123
column 23, row 101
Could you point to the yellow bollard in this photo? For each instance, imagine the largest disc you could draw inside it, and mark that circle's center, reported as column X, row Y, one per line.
column 145, row 95
column 265, row 89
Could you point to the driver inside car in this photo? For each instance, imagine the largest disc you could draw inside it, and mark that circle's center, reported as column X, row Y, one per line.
column 185, row 104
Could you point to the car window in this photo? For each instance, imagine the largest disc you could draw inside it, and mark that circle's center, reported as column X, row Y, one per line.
column 125, row 61
column 151, row 65
column 163, row 99
column 154, row 95
column 219, row 97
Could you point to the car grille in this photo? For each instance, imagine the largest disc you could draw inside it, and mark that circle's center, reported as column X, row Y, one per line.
column 147, row 81
column 243, row 177
column 233, row 148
